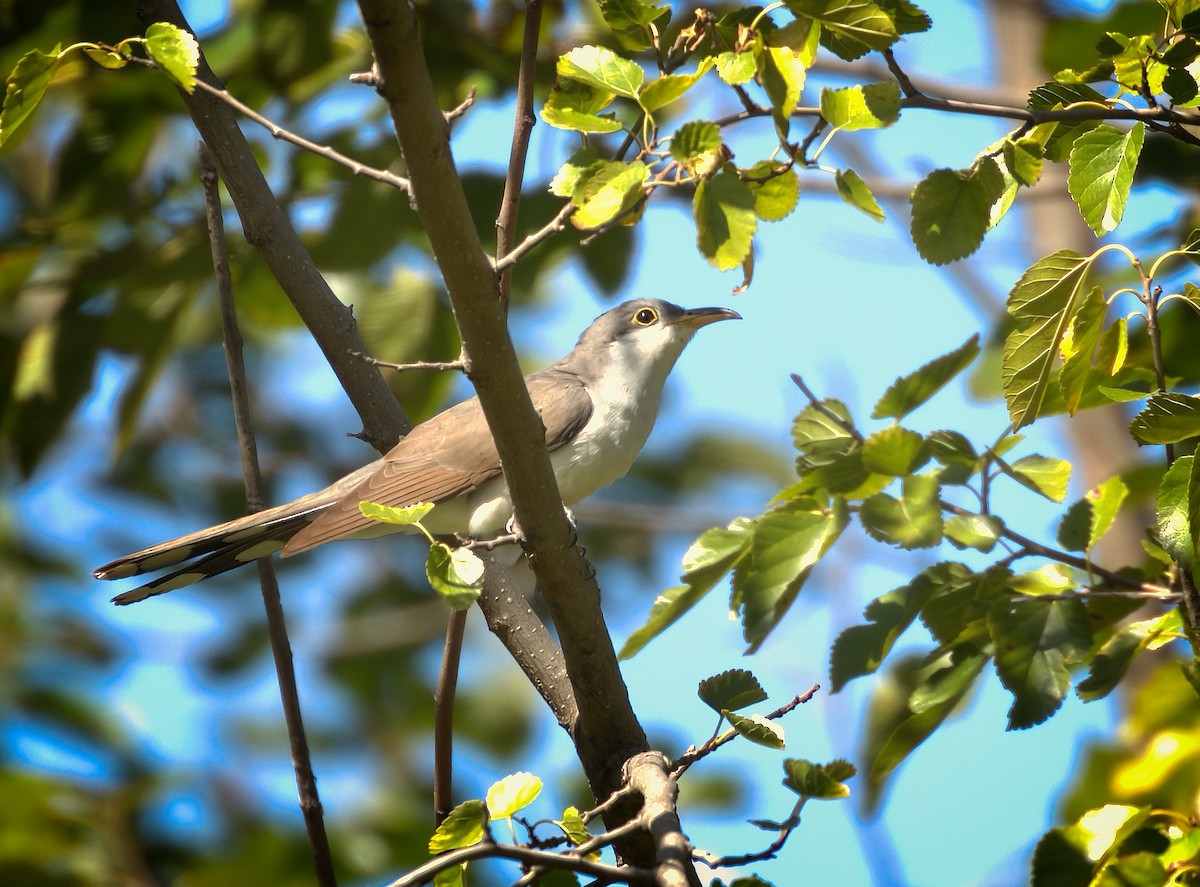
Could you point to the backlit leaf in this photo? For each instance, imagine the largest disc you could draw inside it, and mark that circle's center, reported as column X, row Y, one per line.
column 786, row 544
column 610, row 190
column 1101, row 173
column 389, row 514
column 1171, row 508
column 909, row 392
column 725, row 221
column 708, row 560
column 820, row 781
column 757, row 729
column 854, row 191
column 463, row 827
column 775, row 194
column 442, row 570
column 870, row 106
column 573, row 105
column 1036, row 640
column 25, row 88
column 602, row 68
column 1168, row 417
column 511, row 794
column 894, row 451
column 1079, row 345
column 912, row 521
column 951, row 210
column 978, row 531
column 1044, row 475
column 175, row 51
column 1043, row 303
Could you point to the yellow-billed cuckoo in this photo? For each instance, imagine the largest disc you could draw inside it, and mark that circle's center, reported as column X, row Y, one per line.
column 597, row 404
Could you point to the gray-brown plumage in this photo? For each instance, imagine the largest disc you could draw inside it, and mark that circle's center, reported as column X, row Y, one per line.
column 597, row 404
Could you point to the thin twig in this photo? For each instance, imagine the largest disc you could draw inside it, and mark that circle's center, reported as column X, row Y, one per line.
column 601, row 872
column 785, row 832
column 523, row 122
column 694, row 754
column 819, row 406
column 306, row 783
column 556, row 224
column 462, row 107
column 443, row 716
column 457, row 364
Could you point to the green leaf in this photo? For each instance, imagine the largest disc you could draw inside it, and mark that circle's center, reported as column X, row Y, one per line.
column 819, row 781
column 512, row 793
column 1171, row 508
column 408, row 516
column 731, row 690
column 861, row 649
column 854, row 191
column 782, row 72
column 775, row 194
column 670, row 87
column 570, row 177
column 1101, row 173
column 457, row 578
column 908, row 17
column 1106, row 500
column 725, row 220
column 630, row 20
column 696, row 139
column 1061, row 859
column 1112, row 661
column 827, row 420
column 1167, row 418
column 857, row 21
column 894, row 451
column 1035, row 641
column 1023, row 158
column 978, row 531
column 1079, row 345
column 25, row 88
column 912, row 521
column 959, row 608
column 911, row 391
column 786, row 544
column 106, row 58
column 1042, row 303
column 463, row 827
column 704, row 564
column 951, row 210
column 870, row 106
column 600, row 67
column 610, row 190
column 573, row 105
column 574, row 827
column 1043, row 475
column 894, row 728
column 736, row 68
column 757, row 729
column 175, row 51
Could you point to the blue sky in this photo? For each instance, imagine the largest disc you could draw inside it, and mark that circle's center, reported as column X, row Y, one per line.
column 839, row 299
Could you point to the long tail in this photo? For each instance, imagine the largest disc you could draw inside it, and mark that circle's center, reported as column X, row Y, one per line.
column 215, row 550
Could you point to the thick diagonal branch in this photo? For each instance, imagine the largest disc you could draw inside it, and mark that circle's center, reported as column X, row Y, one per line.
column 268, row 230
column 606, row 732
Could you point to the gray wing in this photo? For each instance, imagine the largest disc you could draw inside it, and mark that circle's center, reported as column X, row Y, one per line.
column 448, row 456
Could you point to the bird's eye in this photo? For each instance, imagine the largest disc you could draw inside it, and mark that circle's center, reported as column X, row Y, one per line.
column 645, row 316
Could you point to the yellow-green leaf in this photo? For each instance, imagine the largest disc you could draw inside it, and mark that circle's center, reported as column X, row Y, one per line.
column 175, row 51
column 725, row 221
column 602, row 68
column 26, row 86
column 388, row 514
column 463, row 827
column 512, row 793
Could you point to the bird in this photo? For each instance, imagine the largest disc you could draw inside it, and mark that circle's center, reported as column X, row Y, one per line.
column 597, row 404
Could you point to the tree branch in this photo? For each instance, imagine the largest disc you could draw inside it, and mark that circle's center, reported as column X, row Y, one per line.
column 605, row 732
column 281, row 648
column 269, row 230
column 523, row 123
